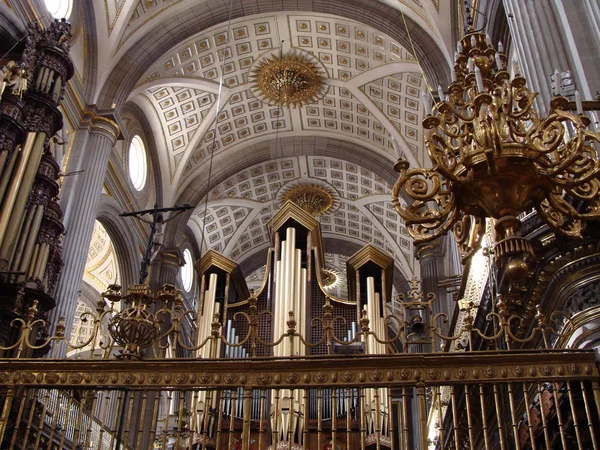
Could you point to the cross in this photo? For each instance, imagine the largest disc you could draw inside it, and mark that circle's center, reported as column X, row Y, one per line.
column 156, row 232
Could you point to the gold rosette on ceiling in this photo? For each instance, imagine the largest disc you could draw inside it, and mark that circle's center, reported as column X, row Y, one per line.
column 295, row 78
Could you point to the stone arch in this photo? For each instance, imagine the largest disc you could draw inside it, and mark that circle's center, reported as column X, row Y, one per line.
column 123, row 239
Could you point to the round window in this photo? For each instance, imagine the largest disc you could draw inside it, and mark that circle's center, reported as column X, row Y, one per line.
column 60, row 9
column 138, row 165
column 187, row 270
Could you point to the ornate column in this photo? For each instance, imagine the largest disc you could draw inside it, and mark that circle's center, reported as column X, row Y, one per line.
column 95, row 143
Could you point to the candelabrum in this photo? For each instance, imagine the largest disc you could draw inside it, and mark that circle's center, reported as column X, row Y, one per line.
column 135, row 328
column 493, row 156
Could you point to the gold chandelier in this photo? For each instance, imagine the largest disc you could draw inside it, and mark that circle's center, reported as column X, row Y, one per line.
column 311, row 198
column 294, row 79
column 494, row 156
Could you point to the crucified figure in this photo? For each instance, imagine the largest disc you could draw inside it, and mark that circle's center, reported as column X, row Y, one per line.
column 155, row 240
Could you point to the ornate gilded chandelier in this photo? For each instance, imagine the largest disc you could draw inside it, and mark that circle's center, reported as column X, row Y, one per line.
column 294, row 79
column 494, row 156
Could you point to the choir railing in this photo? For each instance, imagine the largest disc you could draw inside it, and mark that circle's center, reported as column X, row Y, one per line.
column 477, row 400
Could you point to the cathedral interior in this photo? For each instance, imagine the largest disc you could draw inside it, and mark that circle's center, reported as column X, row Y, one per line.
column 299, row 224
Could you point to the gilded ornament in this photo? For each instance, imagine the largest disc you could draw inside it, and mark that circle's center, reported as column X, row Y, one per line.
column 51, row 378
column 376, row 375
column 230, row 378
column 320, row 377
column 292, row 378
column 314, row 199
column 294, row 79
column 205, row 378
column 348, row 376
column 181, row 378
column 101, row 378
column 264, row 379
column 494, row 156
column 75, row 378
column 490, row 372
column 127, row 378
column 519, row 371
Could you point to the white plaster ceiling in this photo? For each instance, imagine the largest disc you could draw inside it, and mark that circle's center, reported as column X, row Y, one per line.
column 374, row 92
column 239, row 209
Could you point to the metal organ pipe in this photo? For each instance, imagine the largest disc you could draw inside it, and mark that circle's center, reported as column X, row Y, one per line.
column 208, row 313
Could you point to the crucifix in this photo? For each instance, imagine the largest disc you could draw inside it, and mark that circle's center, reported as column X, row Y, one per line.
column 157, row 223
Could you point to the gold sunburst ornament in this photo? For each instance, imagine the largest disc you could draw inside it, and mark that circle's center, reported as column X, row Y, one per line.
column 312, row 199
column 294, row 79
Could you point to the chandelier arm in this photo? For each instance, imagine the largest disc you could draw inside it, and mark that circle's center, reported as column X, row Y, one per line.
column 556, row 220
column 446, row 108
column 468, row 233
column 442, row 228
column 587, row 191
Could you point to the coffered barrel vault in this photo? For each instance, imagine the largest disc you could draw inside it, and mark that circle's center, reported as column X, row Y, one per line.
column 373, row 88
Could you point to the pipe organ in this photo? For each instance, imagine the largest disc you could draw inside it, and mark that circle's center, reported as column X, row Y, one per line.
column 30, row 218
column 292, row 299
column 370, row 272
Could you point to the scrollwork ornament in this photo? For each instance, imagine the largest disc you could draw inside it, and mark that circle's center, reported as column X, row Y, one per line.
column 494, row 156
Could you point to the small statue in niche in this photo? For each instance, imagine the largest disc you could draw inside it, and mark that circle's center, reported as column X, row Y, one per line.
column 18, row 81
column 6, row 74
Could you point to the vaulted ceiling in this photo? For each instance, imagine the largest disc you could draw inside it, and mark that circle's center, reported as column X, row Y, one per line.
column 191, row 82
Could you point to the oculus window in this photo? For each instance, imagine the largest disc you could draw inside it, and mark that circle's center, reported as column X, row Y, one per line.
column 187, row 270
column 60, row 9
column 138, row 165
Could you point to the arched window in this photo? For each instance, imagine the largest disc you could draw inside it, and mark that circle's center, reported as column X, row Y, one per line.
column 60, row 9
column 138, row 165
column 187, row 271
